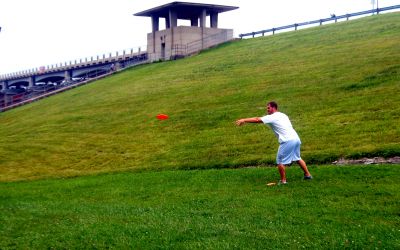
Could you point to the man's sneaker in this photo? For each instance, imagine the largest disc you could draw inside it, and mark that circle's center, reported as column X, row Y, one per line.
column 282, row 183
column 308, row 177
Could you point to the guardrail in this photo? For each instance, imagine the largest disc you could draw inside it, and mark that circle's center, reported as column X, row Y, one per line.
column 320, row 21
column 110, row 57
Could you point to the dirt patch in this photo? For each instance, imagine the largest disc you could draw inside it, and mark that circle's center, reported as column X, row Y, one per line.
column 366, row 161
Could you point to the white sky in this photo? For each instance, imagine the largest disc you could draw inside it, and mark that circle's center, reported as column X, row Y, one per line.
column 44, row 32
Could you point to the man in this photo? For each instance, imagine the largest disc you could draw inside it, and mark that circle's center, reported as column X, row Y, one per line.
column 289, row 141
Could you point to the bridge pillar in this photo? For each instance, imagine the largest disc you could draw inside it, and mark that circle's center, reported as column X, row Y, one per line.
column 118, row 65
column 68, row 75
column 5, row 99
column 31, row 81
column 5, row 85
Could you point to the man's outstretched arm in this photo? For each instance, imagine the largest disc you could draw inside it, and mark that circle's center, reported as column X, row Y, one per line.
column 248, row 120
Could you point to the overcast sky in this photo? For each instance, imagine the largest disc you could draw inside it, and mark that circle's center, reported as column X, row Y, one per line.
column 38, row 33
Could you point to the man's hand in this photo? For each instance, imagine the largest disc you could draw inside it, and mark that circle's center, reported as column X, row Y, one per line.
column 240, row 122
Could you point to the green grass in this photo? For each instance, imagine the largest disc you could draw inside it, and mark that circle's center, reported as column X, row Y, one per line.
column 338, row 83
column 354, row 207
column 140, row 183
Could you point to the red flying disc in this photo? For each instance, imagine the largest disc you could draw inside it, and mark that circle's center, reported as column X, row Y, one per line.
column 162, row 117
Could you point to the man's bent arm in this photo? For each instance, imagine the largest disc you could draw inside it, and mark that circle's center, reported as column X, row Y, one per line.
column 248, row 120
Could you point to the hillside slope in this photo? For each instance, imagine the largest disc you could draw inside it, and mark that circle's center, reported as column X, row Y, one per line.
column 339, row 84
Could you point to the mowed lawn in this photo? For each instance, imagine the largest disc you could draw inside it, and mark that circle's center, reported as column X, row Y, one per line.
column 354, row 207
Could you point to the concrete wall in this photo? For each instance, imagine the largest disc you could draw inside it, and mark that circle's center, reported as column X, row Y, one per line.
column 164, row 44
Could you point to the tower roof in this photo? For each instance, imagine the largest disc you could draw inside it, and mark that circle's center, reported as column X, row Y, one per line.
column 185, row 10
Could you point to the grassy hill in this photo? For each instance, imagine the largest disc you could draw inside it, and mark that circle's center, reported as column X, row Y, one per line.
column 338, row 83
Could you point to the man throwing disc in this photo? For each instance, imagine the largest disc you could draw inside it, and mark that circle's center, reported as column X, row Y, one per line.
column 289, row 141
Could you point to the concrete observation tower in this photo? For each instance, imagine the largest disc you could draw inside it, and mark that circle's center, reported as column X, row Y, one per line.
column 178, row 41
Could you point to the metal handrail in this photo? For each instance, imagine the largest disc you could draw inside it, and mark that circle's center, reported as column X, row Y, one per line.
column 320, row 21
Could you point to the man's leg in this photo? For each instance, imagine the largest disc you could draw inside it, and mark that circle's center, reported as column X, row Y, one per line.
column 282, row 172
column 303, row 166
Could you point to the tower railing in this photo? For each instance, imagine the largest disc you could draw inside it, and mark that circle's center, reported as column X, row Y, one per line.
column 182, row 50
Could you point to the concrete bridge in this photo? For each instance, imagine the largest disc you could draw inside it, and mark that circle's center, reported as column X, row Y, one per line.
column 70, row 72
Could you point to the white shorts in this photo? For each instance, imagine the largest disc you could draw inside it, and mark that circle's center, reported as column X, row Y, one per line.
column 288, row 152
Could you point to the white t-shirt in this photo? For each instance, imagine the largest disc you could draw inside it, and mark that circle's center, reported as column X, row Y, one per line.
column 281, row 126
